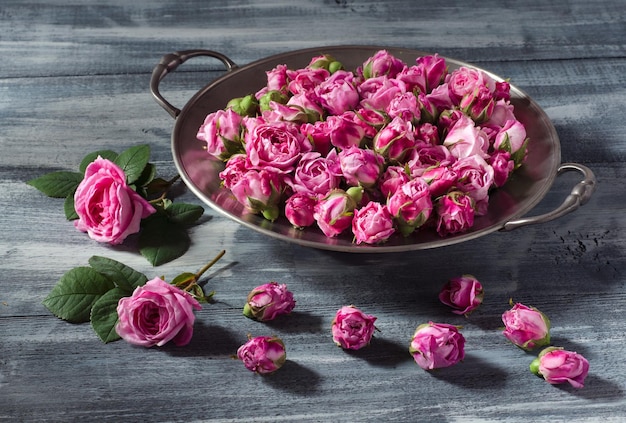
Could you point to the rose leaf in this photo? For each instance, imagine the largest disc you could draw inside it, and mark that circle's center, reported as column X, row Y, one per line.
column 161, row 241
column 185, row 214
column 69, row 209
column 73, row 296
column 57, row 184
column 104, row 315
column 133, row 162
column 126, row 278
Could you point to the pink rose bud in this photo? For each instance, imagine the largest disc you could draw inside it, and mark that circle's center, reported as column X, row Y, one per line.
column 300, row 209
column 372, row 224
column 221, row 131
column 526, row 327
column 437, row 345
column 463, row 293
column 455, row 213
column 155, row 314
column 361, row 166
column 268, row 301
column 411, row 205
column 108, row 209
column 382, row 64
column 352, row 329
column 557, row 366
column 263, row 354
column 334, row 212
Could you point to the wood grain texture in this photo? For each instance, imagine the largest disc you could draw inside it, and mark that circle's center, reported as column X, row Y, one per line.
column 74, row 78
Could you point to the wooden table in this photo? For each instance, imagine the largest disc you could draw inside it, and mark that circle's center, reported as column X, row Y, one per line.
column 74, row 78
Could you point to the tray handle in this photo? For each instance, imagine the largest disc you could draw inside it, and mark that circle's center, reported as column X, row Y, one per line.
column 579, row 196
column 170, row 62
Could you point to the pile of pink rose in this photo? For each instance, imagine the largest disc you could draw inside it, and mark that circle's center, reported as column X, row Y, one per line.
column 158, row 312
column 386, row 149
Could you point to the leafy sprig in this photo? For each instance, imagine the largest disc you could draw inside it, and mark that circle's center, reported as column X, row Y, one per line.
column 91, row 293
column 163, row 236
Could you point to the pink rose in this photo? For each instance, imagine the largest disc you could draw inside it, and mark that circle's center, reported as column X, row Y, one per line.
column 395, row 140
column 263, row 354
column 316, row 174
column 464, row 81
column 502, row 166
column 464, row 294
column 478, row 104
column 434, row 70
column 259, row 191
column 268, row 301
column 235, row 167
column 108, row 209
column 502, row 112
column 557, row 366
column 455, row 213
column 475, row 178
column 338, row 94
column 352, row 329
column 155, row 314
column 392, row 178
column 221, row 131
column 405, row 106
column 306, row 79
column 426, row 156
column 466, row 139
column 428, row 134
column 345, row 130
column 318, row 134
column 376, row 93
column 277, row 79
column 334, row 212
column 437, row 345
column 512, row 138
column 275, row 146
column 382, row 63
column 371, row 120
column 440, row 179
column 361, row 167
column 278, row 112
column 526, row 327
column 372, row 224
column 411, row 205
column 300, row 209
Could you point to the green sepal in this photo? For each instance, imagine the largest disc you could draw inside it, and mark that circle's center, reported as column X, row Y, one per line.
column 133, row 162
column 76, row 292
column 104, row 315
column 124, row 277
column 89, row 158
column 58, row 184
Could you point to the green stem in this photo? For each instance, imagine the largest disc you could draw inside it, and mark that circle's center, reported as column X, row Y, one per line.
column 209, row 264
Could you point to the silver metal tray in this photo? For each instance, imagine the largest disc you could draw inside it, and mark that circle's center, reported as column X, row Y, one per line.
column 507, row 205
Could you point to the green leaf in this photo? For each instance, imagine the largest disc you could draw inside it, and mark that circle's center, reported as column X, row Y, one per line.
column 185, row 214
column 68, row 208
column 104, row 315
column 89, row 158
column 76, row 292
column 126, row 278
column 148, row 174
column 157, row 186
column 161, row 241
column 57, row 184
column 133, row 161
column 183, row 279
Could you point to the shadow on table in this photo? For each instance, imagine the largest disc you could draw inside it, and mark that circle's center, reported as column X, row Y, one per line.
column 297, row 322
column 461, row 374
column 295, row 378
column 595, row 387
column 383, row 353
column 207, row 341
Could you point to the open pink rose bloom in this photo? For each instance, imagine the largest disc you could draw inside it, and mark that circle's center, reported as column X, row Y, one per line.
column 156, row 314
column 108, row 209
column 263, row 354
column 441, row 139
column 437, row 345
column 352, row 329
